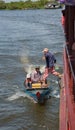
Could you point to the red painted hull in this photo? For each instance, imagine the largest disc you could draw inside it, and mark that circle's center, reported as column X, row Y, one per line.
column 67, row 93
column 67, row 101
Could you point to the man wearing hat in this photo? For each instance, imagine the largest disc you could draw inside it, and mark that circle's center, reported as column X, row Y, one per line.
column 50, row 61
column 36, row 75
column 49, row 57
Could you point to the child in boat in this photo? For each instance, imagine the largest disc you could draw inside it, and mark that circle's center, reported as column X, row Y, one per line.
column 28, row 82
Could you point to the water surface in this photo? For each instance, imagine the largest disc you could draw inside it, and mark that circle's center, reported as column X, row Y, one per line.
column 23, row 35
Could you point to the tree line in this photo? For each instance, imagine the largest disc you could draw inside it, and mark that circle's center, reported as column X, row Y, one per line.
column 23, row 5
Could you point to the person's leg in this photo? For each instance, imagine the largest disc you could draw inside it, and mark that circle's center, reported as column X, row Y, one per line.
column 46, row 73
column 54, row 72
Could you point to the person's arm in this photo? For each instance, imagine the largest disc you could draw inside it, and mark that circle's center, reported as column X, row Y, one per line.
column 54, row 59
column 43, row 58
column 47, row 60
column 26, row 83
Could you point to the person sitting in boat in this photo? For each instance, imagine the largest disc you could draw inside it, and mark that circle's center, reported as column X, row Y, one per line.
column 28, row 82
column 36, row 75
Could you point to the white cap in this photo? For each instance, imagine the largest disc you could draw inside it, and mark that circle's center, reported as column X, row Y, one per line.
column 28, row 76
column 45, row 50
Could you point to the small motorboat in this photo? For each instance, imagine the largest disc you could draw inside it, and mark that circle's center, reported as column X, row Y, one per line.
column 38, row 92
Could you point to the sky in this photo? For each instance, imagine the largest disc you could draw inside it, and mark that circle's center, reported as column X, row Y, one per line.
column 15, row 0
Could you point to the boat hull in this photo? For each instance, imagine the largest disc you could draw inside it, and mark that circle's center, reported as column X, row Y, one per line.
column 40, row 95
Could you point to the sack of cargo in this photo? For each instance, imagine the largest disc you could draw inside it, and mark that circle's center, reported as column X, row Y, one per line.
column 36, row 85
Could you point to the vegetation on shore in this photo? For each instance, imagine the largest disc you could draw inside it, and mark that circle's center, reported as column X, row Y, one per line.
column 40, row 4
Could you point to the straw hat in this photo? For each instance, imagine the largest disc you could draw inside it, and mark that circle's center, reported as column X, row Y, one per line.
column 45, row 50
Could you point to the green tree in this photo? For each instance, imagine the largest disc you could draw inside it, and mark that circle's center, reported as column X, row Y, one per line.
column 2, row 4
column 28, row 4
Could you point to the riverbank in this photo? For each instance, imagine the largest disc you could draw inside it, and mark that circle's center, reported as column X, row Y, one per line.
column 21, row 5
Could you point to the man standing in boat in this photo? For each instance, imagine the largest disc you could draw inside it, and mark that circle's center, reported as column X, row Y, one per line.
column 50, row 63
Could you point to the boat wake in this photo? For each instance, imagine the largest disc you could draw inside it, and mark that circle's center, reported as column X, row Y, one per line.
column 15, row 96
column 55, row 94
column 22, row 94
column 18, row 95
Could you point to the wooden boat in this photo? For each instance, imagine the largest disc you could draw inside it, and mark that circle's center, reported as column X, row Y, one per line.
column 67, row 93
column 38, row 92
column 52, row 6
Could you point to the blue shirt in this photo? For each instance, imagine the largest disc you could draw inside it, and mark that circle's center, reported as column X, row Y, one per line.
column 50, row 59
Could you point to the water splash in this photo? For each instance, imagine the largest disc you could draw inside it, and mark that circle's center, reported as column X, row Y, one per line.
column 24, row 59
column 55, row 94
column 17, row 95
column 28, row 68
